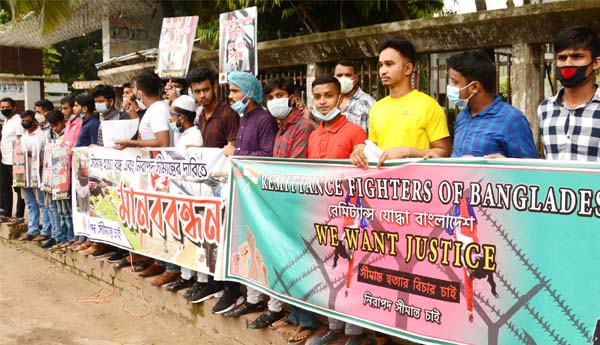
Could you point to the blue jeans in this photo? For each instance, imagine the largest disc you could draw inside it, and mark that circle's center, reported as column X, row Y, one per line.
column 34, row 198
column 57, row 233
column 68, row 218
column 303, row 317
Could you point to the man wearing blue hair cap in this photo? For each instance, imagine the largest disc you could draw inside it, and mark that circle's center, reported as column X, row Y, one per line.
column 256, row 134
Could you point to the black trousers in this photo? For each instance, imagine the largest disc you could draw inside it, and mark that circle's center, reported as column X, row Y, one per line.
column 6, row 193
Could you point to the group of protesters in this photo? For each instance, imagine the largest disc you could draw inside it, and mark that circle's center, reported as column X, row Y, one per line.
column 272, row 121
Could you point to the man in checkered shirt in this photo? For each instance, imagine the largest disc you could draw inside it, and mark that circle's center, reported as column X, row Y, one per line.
column 570, row 120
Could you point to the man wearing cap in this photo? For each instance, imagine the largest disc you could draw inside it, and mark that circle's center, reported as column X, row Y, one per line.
column 185, row 108
column 257, row 131
column 255, row 137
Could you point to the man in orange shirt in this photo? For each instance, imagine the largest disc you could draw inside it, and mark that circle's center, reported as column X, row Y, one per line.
column 336, row 136
column 334, row 139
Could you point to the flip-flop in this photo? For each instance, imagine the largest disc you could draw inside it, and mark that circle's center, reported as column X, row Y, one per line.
column 280, row 323
column 303, row 333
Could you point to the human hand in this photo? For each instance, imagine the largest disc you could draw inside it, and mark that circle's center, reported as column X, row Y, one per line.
column 229, row 150
column 394, row 153
column 358, row 158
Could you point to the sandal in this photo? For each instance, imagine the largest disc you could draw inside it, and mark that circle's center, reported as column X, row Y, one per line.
column 300, row 335
column 280, row 324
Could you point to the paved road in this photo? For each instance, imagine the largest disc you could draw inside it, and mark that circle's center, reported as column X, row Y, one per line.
column 39, row 305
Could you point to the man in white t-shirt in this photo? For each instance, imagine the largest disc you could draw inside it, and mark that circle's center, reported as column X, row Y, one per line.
column 154, row 126
column 185, row 108
column 10, row 131
column 153, row 132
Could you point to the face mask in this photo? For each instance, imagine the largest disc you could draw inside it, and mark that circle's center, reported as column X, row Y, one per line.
column 278, row 107
column 6, row 112
column 82, row 115
column 40, row 118
column 173, row 125
column 347, row 84
column 71, row 118
column 571, row 76
column 27, row 125
column 140, row 104
column 180, row 128
column 240, row 107
column 101, row 108
column 333, row 113
column 453, row 94
column 178, row 91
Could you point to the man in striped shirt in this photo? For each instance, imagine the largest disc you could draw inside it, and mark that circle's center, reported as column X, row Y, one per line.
column 570, row 120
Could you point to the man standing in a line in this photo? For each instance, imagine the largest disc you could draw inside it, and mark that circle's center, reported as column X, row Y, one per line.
column 10, row 131
column 570, row 120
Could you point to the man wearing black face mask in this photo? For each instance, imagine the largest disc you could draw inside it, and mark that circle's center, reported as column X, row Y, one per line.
column 570, row 120
column 10, row 131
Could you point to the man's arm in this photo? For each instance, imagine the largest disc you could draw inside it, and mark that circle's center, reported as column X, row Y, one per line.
column 162, row 140
column 438, row 148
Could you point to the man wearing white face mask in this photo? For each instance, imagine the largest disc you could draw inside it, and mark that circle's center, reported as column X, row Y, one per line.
column 291, row 142
column 294, row 129
column 336, row 136
column 334, row 139
column 42, row 108
column 355, row 103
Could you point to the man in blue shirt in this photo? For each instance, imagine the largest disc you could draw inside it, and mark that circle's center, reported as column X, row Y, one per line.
column 84, row 107
column 486, row 126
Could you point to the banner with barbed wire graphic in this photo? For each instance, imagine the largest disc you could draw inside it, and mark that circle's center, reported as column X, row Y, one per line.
column 450, row 251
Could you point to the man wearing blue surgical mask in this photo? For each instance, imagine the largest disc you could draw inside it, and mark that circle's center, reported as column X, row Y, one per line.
column 257, row 130
column 104, row 102
column 486, row 126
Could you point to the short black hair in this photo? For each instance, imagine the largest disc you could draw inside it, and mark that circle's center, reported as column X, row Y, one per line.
column 68, row 99
column 149, row 83
column 85, row 100
column 475, row 65
column 347, row 63
column 578, row 36
column 127, row 85
column 199, row 75
column 190, row 115
column 45, row 104
column 9, row 100
column 55, row 116
column 284, row 83
column 106, row 91
column 326, row 79
column 402, row 46
column 182, row 81
column 28, row 113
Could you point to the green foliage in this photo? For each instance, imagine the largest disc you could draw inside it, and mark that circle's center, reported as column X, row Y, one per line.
column 51, row 13
column 50, row 59
column 4, row 16
column 77, row 58
column 287, row 18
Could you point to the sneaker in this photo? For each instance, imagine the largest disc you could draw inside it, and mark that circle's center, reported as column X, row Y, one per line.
column 247, row 308
column 326, row 338
column 119, row 255
column 104, row 251
column 196, row 286
column 48, row 244
column 266, row 319
column 210, row 290
column 227, row 302
column 179, row 284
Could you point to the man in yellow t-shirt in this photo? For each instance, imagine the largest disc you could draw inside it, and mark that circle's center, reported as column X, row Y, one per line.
column 407, row 123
